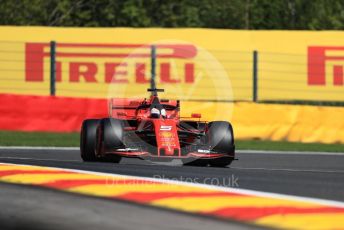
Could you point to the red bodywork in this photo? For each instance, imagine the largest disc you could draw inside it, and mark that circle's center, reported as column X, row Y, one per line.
column 166, row 137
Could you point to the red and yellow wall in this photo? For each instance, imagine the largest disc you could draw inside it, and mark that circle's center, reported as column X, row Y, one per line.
column 250, row 120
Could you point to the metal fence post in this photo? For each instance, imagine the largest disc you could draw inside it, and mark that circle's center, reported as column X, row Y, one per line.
column 255, row 76
column 52, row 68
column 153, row 67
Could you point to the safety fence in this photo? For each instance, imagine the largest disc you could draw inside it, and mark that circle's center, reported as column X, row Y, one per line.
column 186, row 71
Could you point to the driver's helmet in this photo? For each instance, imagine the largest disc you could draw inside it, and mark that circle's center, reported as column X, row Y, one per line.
column 163, row 113
column 155, row 113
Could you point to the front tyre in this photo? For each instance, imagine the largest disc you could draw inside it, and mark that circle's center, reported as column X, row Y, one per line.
column 220, row 138
column 88, row 139
column 109, row 138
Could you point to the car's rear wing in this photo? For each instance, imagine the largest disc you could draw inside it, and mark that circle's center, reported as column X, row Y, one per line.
column 125, row 108
column 122, row 108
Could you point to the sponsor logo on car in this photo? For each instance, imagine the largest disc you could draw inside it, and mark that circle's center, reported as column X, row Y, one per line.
column 166, row 134
column 165, row 128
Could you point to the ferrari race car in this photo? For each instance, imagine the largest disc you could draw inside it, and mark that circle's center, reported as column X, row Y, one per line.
column 153, row 129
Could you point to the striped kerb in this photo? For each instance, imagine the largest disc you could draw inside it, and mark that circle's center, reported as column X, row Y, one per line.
column 271, row 211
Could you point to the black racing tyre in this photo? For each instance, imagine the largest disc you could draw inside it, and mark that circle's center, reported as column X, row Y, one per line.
column 88, row 139
column 109, row 138
column 220, row 138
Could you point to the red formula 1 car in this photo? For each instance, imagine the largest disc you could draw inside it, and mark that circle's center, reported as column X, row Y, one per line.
column 153, row 129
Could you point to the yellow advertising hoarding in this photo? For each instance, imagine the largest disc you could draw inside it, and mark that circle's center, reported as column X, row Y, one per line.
column 278, row 122
column 192, row 64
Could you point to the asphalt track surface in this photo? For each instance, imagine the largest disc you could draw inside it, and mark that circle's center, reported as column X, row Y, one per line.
column 308, row 174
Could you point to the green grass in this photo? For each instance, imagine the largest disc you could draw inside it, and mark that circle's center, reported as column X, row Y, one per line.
column 72, row 140
column 38, row 139
column 289, row 146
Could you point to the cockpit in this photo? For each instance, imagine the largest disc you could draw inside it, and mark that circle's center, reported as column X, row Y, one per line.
column 157, row 109
column 154, row 108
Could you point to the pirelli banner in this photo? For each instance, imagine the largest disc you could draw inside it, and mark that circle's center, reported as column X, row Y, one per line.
column 192, row 64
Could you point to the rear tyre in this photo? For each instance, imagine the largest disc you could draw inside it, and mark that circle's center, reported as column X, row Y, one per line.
column 109, row 138
column 88, row 139
column 220, row 138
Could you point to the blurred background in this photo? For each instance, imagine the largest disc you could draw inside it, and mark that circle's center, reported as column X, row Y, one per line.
column 221, row 14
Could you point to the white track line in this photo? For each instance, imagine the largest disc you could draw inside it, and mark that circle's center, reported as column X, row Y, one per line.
column 38, row 148
column 249, row 151
column 289, row 170
column 38, row 159
column 219, row 188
